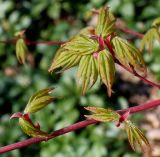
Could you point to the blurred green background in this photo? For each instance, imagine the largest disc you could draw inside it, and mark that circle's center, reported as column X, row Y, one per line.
column 58, row 20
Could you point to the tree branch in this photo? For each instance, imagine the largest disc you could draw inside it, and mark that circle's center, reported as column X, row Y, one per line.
column 28, row 42
column 120, row 24
column 74, row 127
column 129, row 31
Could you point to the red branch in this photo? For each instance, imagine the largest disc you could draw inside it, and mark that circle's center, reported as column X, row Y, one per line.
column 74, row 127
column 129, row 31
column 34, row 42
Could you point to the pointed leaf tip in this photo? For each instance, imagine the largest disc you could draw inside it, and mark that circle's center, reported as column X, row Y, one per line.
column 106, row 69
column 128, row 55
column 102, row 115
column 39, row 100
column 70, row 53
column 21, row 50
column 87, row 72
column 106, row 23
column 16, row 115
column 135, row 135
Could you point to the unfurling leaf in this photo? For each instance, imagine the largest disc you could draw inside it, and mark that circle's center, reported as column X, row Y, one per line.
column 87, row 72
column 21, row 50
column 102, row 115
column 152, row 35
column 70, row 53
column 106, row 23
column 106, row 69
column 30, row 129
column 135, row 135
column 128, row 55
column 39, row 100
column 147, row 41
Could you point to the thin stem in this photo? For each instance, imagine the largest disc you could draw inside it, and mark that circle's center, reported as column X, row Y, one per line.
column 129, row 31
column 74, row 127
column 33, row 42
column 46, row 42
column 141, row 107
column 8, row 41
column 120, row 24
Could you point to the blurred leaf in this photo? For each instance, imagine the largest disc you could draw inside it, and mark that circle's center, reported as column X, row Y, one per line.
column 106, row 23
column 127, row 10
column 21, row 50
column 87, row 72
column 39, row 100
column 127, row 54
column 152, row 35
column 102, row 115
column 156, row 22
column 135, row 135
column 106, row 69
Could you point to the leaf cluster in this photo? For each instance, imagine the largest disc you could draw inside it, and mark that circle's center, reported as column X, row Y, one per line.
column 37, row 101
column 135, row 135
column 93, row 57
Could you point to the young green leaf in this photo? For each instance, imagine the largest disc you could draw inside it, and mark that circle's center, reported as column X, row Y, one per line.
column 106, row 69
column 152, row 35
column 135, row 135
column 147, row 41
column 87, row 72
column 39, row 100
column 82, row 45
column 102, row 115
column 65, row 59
column 106, row 23
column 128, row 55
column 21, row 50
column 70, row 53
column 30, row 129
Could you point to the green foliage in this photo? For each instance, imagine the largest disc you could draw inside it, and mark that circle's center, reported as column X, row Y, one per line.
column 128, row 55
column 70, row 54
column 39, row 100
column 89, row 44
column 152, row 35
column 106, row 23
column 108, row 115
column 60, row 20
column 21, row 47
column 30, row 129
column 136, row 135
column 87, row 72
column 106, row 69
column 102, row 115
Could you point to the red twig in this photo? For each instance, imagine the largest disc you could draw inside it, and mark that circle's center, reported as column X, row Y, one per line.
column 129, row 31
column 33, row 42
column 46, row 42
column 8, row 41
column 74, row 127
